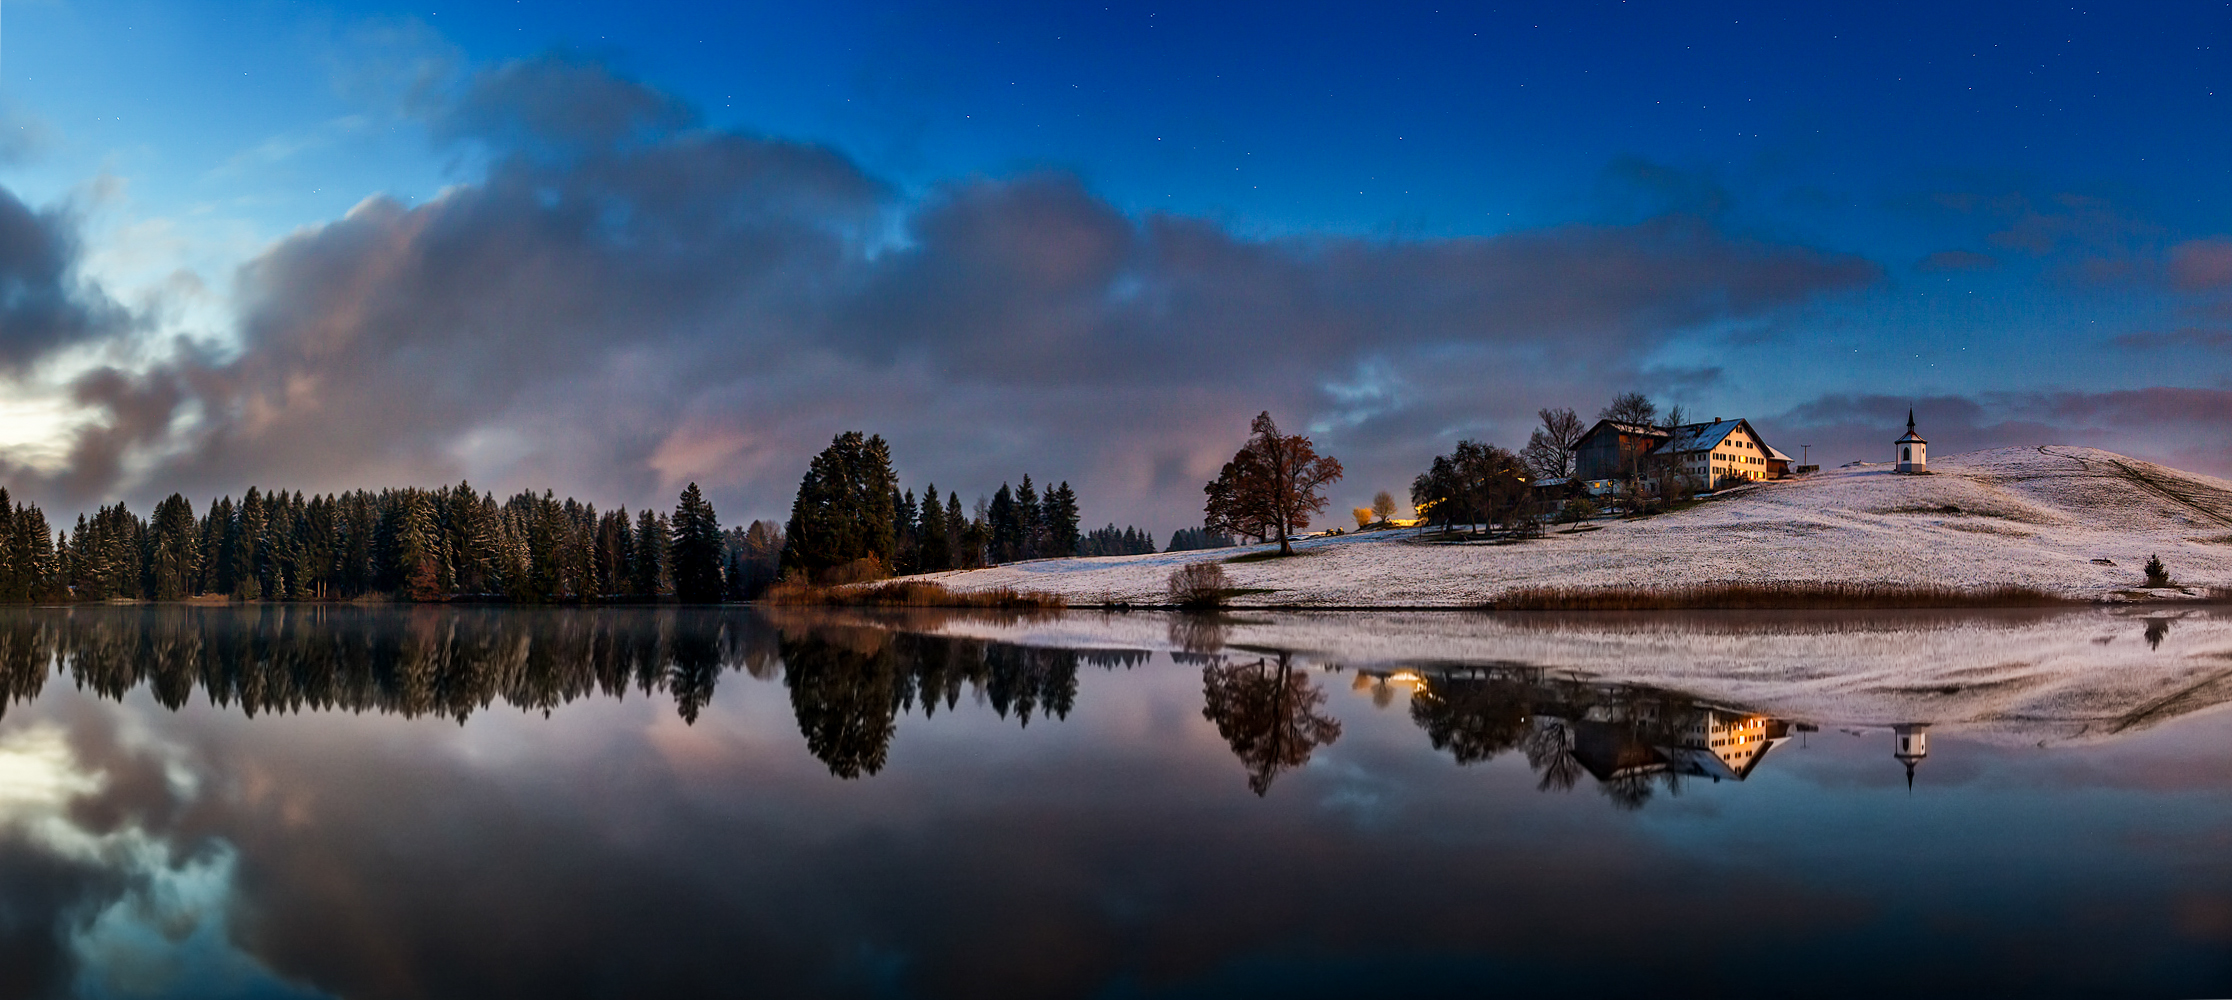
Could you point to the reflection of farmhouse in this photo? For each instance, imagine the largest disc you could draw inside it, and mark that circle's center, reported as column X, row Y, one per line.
column 1697, row 743
column 1626, row 737
column 1708, row 454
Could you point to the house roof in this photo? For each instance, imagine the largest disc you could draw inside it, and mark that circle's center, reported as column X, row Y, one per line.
column 1637, row 430
column 1685, row 438
column 1703, row 437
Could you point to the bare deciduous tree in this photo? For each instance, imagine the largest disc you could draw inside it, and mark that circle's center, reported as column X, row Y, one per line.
column 1271, row 487
column 1383, row 505
column 1549, row 451
column 1631, row 408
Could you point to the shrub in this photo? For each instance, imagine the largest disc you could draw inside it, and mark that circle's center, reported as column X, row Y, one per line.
column 860, row 570
column 1363, row 517
column 1199, row 585
column 1577, row 510
column 2158, row 575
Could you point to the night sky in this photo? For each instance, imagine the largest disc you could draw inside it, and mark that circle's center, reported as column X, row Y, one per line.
column 613, row 248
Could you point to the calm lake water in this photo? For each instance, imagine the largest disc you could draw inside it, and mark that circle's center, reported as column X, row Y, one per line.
column 269, row 802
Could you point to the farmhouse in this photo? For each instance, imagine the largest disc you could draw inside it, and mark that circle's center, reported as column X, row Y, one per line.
column 1708, row 454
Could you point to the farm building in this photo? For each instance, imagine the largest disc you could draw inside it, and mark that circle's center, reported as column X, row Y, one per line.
column 1708, row 453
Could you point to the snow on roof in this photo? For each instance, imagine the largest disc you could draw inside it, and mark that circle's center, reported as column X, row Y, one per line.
column 1772, row 453
column 1700, row 437
column 1645, row 430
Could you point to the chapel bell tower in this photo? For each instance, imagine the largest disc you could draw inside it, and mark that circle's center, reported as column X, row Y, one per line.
column 1913, row 453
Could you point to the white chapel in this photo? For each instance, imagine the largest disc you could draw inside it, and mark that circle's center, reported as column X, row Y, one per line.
column 1913, row 455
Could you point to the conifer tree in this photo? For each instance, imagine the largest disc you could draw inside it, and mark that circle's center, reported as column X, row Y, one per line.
column 418, row 548
column 845, row 508
column 933, row 549
column 174, row 549
column 1061, row 521
column 696, row 552
column 247, row 571
column 906, row 547
column 1006, row 524
column 650, row 553
column 45, row 562
column 1030, row 522
column 15, row 585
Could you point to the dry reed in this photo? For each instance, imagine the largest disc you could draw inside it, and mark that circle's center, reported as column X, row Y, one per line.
column 1784, row 596
column 912, row 594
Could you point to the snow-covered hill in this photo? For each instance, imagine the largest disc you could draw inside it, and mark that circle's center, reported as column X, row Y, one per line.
column 2034, row 517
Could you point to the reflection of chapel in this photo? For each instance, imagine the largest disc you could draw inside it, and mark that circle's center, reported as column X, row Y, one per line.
column 1912, row 454
column 1910, row 743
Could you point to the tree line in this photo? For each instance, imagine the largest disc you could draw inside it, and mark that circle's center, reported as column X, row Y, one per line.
column 851, row 522
column 449, row 543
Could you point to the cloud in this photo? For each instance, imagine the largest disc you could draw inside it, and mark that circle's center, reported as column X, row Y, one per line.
column 2202, row 265
column 2148, row 340
column 627, row 301
column 43, row 303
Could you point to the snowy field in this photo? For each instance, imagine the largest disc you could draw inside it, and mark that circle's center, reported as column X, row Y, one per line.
column 2033, row 517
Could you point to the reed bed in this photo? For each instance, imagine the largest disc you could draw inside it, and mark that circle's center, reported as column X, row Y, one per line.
column 912, row 594
column 1786, row 596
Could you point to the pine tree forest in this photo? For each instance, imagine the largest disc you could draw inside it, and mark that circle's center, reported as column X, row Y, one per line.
column 452, row 543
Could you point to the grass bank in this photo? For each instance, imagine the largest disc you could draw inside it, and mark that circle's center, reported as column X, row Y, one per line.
column 912, row 594
column 1771, row 597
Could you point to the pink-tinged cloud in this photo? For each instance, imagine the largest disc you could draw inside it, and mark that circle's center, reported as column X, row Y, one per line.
column 2202, row 265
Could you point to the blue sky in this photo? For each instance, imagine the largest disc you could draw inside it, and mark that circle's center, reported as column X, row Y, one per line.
column 1395, row 226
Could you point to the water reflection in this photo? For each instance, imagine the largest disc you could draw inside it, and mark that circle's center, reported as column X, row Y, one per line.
column 850, row 683
column 1632, row 740
column 850, row 680
column 440, row 662
column 1910, row 745
column 1070, row 827
column 1270, row 713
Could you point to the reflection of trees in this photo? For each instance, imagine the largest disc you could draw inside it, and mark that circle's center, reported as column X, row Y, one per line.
column 1549, row 749
column 846, row 698
column 1634, row 741
column 1269, row 714
column 1474, row 718
column 448, row 662
column 1201, row 633
column 847, row 684
column 2157, row 629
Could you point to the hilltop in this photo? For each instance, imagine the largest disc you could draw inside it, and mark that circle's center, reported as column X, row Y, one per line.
column 2075, row 522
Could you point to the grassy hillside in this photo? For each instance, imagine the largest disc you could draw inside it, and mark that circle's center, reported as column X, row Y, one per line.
column 2070, row 522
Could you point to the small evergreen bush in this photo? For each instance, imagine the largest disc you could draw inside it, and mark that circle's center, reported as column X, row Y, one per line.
column 2158, row 575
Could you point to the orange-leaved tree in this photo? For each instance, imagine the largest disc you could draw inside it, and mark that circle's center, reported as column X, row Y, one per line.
column 1270, row 489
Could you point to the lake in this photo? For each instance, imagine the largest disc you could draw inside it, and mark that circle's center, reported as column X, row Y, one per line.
column 405, row 802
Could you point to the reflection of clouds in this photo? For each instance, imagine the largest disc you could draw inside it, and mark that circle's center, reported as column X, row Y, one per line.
column 164, row 928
